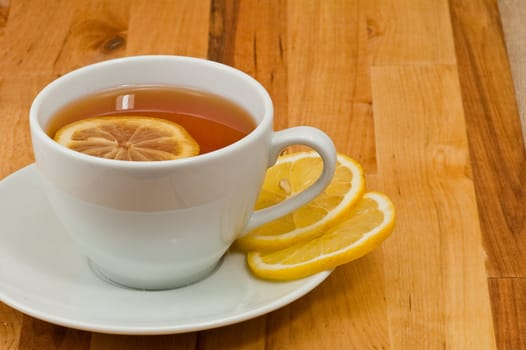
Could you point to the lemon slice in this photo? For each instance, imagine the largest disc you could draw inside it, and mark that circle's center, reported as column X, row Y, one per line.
column 133, row 138
column 292, row 174
column 369, row 223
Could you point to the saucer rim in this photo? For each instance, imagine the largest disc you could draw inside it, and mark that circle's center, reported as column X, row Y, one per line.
column 276, row 304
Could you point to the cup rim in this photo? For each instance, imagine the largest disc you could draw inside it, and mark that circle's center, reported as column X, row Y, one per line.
column 266, row 120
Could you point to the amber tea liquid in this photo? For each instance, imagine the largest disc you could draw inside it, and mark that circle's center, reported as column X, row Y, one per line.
column 213, row 121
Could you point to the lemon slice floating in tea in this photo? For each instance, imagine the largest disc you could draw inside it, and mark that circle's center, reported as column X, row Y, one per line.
column 292, row 174
column 132, row 138
column 368, row 224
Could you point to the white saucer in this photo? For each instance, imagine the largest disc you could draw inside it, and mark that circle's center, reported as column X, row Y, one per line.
column 43, row 275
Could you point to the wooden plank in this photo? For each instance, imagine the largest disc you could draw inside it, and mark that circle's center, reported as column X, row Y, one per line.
column 98, row 31
column 169, row 27
column 108, row 29
column 16, row 95
column 328, row 75
column 251, row 36
column 249, row 335
column 223, row 21
column 24, row 46
column 409, row 32
column 348, row 311
column 261, row 50
column 496, row 143
column 437, row 294
column 4, row 13
column 10, row 327
column 513, row 15
column 125, row 342
column 509, row 303
column 497, row 152
column 38, row 334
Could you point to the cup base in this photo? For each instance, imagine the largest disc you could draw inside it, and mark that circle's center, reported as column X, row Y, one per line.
column 107, row 277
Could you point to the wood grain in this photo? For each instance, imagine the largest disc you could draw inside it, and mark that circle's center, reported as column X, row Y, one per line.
column 513, row 14
column 15, row 99
column 409, row 32
column 38, row 334
column 261, row 50
column 25, row 47
column 4, row 13
column 420, row 92
column 492, row 123
column 354, row 298
column 422, row 165
column 124, row 342
column 10, row 327
column 169, row 27
column 97, row 31
column 223, row 21
column 328, row 76
column 510, row 320
column 249, row 335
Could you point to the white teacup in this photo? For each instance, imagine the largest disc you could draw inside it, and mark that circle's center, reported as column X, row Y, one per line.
column 157, row 225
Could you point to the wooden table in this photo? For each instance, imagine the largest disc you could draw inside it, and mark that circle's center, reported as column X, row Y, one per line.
column 419, row 91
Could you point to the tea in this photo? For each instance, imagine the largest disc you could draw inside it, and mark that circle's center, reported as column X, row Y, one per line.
column 213, row 121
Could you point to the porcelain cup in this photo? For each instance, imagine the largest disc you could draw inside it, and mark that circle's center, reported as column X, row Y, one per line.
column 165, row 224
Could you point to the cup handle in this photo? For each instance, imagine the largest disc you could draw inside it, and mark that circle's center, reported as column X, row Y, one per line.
column 300, row 135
